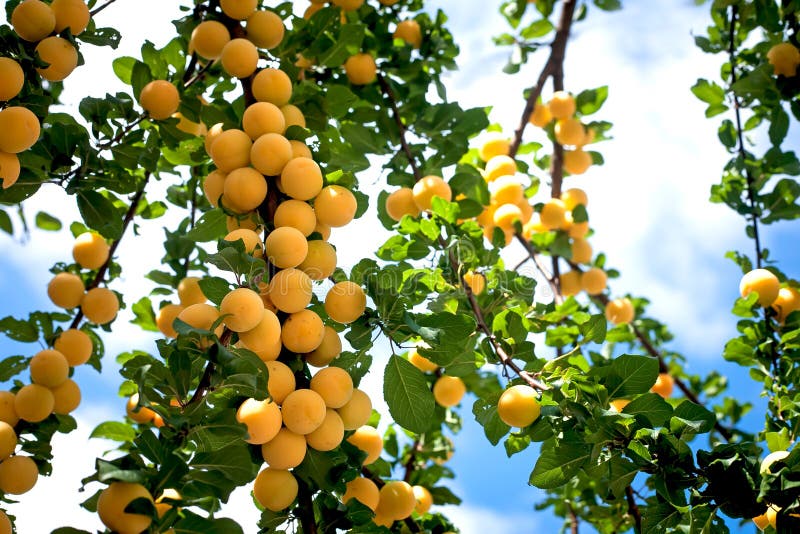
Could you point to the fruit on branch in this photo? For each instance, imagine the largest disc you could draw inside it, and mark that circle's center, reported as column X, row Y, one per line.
column 285, row 451
column 164, row 507
column 66, row 397
column 115, row 499
column 519, row 406
column 275, row 489
column 160, row 99
column 272, row 85
column 231, row 150
column 9, row 168
column 262, row 418
column 762, row 282
column 8, row 440
column 368, row 440
column 594, row 281
column 269, row 154
column 251, row 241
column 618, row 405
column 570, row 283
column 263, row 118
column 264, row 335
column 448, row 390
column 553, row 215
column 238, row 9
column 768, row 518
column 505, row 216
column 424, row 499
column 239, row 58
column 581, row 250
column 329, row 434
column 286, row 247
column 401, row 202
column 301, row 179
column 281, row 381
column 209, row 38
column 541, row 115
column 18, row 475
column 90, row 250
column 66, row 290
column 61, row 56
column 19, row 129
column 303, row 411
column 290, row 290
column 242, row 309
column 300, row 149
column 328, row 349
column 335, row 206
column 562, row 105
column 348, row 5
column 138, row 413
column 11, row 78
column 784, row 58
column 620, row 311
column 357, row 411
column 345, row 302
column 476, row 282
column 189, row 291
column 574, row 197
column 201, row 316
column 293, row 116
column 421, row 362
column 577, row 161
column 427, row 188
column 498, row 166
column 361, row 69
column 265, row 29
column 5, row 524
column 34, row 403
column 244, row 190
column 664, row 385
column 302, row 332
column 334, row 385
column 410, row 32
column 214, row 186
column 770, row 459
column 72, row 14
column 787, row 301
column 570, row 132
column 100, row 305
column 75, row 345
column 397, row 500
column 364, row 491
column 311, row 9
column 49, row 368
column 506, row 190
column 320, row 261
column 33, row 20
column 8, row 413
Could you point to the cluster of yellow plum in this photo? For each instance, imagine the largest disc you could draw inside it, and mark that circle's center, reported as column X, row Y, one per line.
column 394, row 501
column 67, row 290
column 568, row 130
column 413, row 201
column 782, row 299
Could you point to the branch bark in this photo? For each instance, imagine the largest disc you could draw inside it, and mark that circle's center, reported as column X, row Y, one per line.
column 633, row 510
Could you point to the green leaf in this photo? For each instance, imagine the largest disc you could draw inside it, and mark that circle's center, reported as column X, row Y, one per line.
column 145, row 316
column 214, row 288
column 12, row 366
column 708, row 92
column 210, row 227
column 100, row 214
column 349, row 43
column 557, row 465
column 45, row 221
column 115, row 431
column 591, row 100
column 485, row 411
column 408, row 395
column 690, row 418
column 651, row 407
column 19, row 330
column 628, row 375
column 594, row 329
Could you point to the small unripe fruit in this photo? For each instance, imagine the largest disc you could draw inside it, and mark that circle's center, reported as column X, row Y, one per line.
column 368, row 440
column 243, row 308
column 577, row 161
column 361, row 69
column 72, row 14
column 33, row 20
column 427, row 188
column 67, row 397
column 303, row 411
column 263, row 420
column 663, row 386
column 275, row 489
column 620, row 311
column 112, row 504
column 265, row 29
column 100, row 305
column 345, row 302
column 263, row 118
column 75, row 345
column 594, row 281
column 11, row 78
column 290, row 290
column 34, row 403
column 61, row 56
column 189, row 291
column 397, row 500
column 19, row 129
column 90, row 250
column 286, row 247
column 66, row 290
column 270, row 154
column 764, row 283
column 49, row 368
column 364, row 491
column 562, row 105
column 424, row 500
column 160, row 99
column 335, row 206
column 519, row 406
column 401, row 202
column 357, row 411
column 410, row 32
column 301, row 179
column 329, row 434
column 239, row 58
column 448, row 390
column 302, row 332
column 231, row 150
column 285, row 451
column 272, row 85
column 18, row 475
column 329, row 349
column 244, row 190
column 209, row 38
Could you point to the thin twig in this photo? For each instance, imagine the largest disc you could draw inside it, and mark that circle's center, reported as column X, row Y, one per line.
column 633, row 510
column 552, row 280
column 402, row 127
column 412, row 459
column 573, row 519
column 127, row 129
column 305, row 508
column 98, row 9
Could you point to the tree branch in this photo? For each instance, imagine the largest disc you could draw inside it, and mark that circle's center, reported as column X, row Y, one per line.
column 633, row 510
column 305, row 508
column 98, row 9
column 573, row 519
column 412, row 458
column 400, row 126
column 552, row 280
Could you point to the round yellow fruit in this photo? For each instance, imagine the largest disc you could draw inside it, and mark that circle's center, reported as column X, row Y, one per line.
column 357, row 411
column 787, row 301
column 301, row 179
column 300, row 149
column 201, row 316
column 270, row 154
column 262, row 418
column 61, row 57
column 329, row 434
column 570, row 132
column 577, row 161
column 770, row 459
column 320, row 261
column 5, row 524
column 663, row 386
column 506, row 190
column 112, row 503
column 285, row 451
column 364, row 491
column 401, row 202
column 764, row 283
column 329, row 349
column 323, row 231
column 8, row 440
column 18, row 475
column 67, row 397
column 594, row 281
column 214, row 186
column 160, row 99
column 34, row 403
column 244, row 190
column 189, row 291
column 574, row 197
column 397, row 500
column 19, row 129
column 519, row 406
column 139, row 414
column 263, row 118
column 368, row 440
column 100, row 305
column 424, row 499
column 209, row 38
column 75, row 345
column 476, row 281
column 264, row 335
column 163, row 507
column 784, row 58
column 72, row 14
column 499, row 166
column 281, row 381
column 243, row 309
column 345, row 302
column 448, row 390
column 541, row 115
column 620, row 311
column 49, row 368
column 90, row 250
column 239, row 58
column 427, row 188
column 66, row 290
column 581, row 251
column 11, row 78
column 265, row 29
column 231, row 150
column 33, row 20
column 290, row 290
column 250, row 239
column 302, row 332
column 505, row 216
column 570, row 283
column 297, row 214
column 286, row 247
column 421, row 362
column 275, row 489
column 619, row 404
column 272, row 85
column 9, row 168
column 8, row 412
column 238, row 9
column 410, row 32
column 553, row 215
column 293, row 116
column 361, row 69
column 562, row 105
column 334, row 385
column 303, row 411
column 335, row 206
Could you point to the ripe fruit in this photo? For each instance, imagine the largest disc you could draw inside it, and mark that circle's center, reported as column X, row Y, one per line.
column 209, row 38
column 285, row 451
column 329, row 349
column 499, row 166
column 519, row 406
column 427, row 188
column 213, row 186
column 243, row 309
column 577, row 161
column 8, row 440
column 11, row 78
column 8, row 413
column 281, row 381
column 160, row 99
column 784, row 58
column 541, row 115
column 67, row 397
column 302, row 332
column 553, row 215
column 361, row 69
column 140, row 414
column 286, row 247
column 272, row 85
column 201, row 316
column 368, row 440
column 764, row 283
column 5, row 523
column 397, row 500
column 357, row 411
column 262, row 118
column 562, row 105
column 164, row 507
column 364, row 491
column 301, row 179
column 348, row 5
column 72, row 14
column 448, row 390
column 263, row 420
column 33, row 20
column 112, row 503
column 476, row 281
column 300, row 149
column 290, row 290
column 573, row 197
column 90, row 250
column 34, row 403
column 189, row 291
column 506, row 190
column 265, row 334
column 663, row 385
column 75, row 345
column 770, row 459
column 238, row 9
column 594, row 281
column 424, row 499
column 401, row 202
column 18, row 475
column 334, row 385
column 19, row 129
column 293, row 116
column 61, row 56
column 270, row 154
column 297, row 214
column 570, row 132
column 250, row 239
column 100, row 305
column 49, row 368
column 66, row 290
column 787, row 301
column 231, row 150
column 581, row 251
column 345, row 302
column 9, row 168
column 335, row 206
column 410, row 32
column 329, row 434
column 275, row 489
column 239, row 58
column 244, row 190
column 265, row 29
column 303, row 411
column 619, row 404
column 570, row 283
column 620, row 311
column 505, row 216
column 421, row 362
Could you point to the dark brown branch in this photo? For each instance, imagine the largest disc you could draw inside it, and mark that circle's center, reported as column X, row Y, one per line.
column 126, row 221
column 122, row 133
column 573, row 519
column 305, row 509
column 552, row 67
column 192, row 216
column 400, row 126
column 552, row 280
column 633, row 510
column 412, row 459
column 98, row 9
column 197, row 77
column 205, row 381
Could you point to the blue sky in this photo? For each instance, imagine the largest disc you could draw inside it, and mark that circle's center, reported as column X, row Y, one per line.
column 648, row 206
